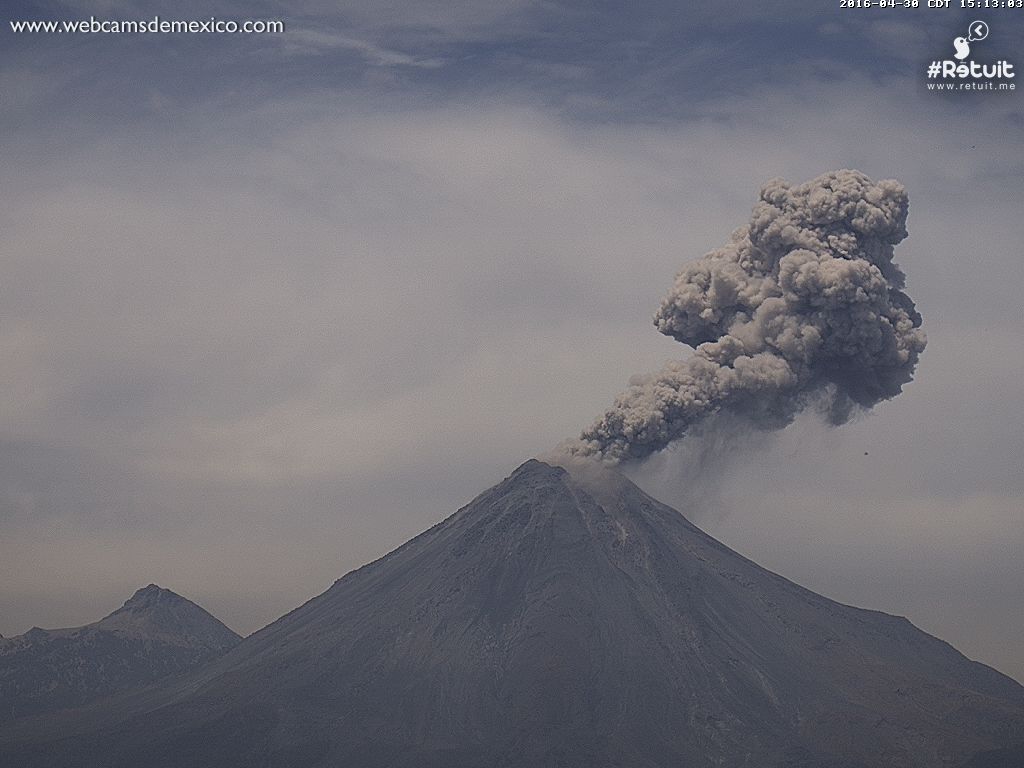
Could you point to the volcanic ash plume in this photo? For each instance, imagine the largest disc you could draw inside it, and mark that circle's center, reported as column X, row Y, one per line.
column 803, row 306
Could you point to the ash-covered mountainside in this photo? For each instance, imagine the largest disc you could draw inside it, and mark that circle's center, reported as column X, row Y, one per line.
column 154, row 634
column 560, row 619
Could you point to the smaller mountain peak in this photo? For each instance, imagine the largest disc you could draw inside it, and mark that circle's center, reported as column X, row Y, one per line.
column 151, row 595
column 156, row 633
column 155, row 611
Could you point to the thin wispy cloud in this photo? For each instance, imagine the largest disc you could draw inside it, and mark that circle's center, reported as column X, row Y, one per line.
column 315, row 41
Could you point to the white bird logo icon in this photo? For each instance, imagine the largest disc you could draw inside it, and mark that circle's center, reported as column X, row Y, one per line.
column 963, row 50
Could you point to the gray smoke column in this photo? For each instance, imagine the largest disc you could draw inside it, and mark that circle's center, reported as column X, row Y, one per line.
column 803, row 306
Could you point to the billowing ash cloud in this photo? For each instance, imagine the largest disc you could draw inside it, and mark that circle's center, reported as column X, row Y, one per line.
column 804, row 306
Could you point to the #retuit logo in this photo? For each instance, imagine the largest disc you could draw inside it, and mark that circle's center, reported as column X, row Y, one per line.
column 963, row 73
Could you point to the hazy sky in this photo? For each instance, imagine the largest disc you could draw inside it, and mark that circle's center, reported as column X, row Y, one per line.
column 271, row 305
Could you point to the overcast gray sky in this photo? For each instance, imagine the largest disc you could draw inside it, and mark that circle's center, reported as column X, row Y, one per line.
column 271, row 305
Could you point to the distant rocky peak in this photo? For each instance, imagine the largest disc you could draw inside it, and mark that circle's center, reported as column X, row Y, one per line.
column 155, row 611
column 151, row 596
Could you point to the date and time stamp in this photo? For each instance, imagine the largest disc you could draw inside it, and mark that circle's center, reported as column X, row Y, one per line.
column 979, row 5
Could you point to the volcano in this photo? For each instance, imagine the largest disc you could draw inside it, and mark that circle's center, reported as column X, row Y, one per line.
column 562, row 618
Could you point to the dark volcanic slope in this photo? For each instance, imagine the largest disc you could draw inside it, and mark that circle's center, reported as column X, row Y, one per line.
column 557, row 621
column 154, row 634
